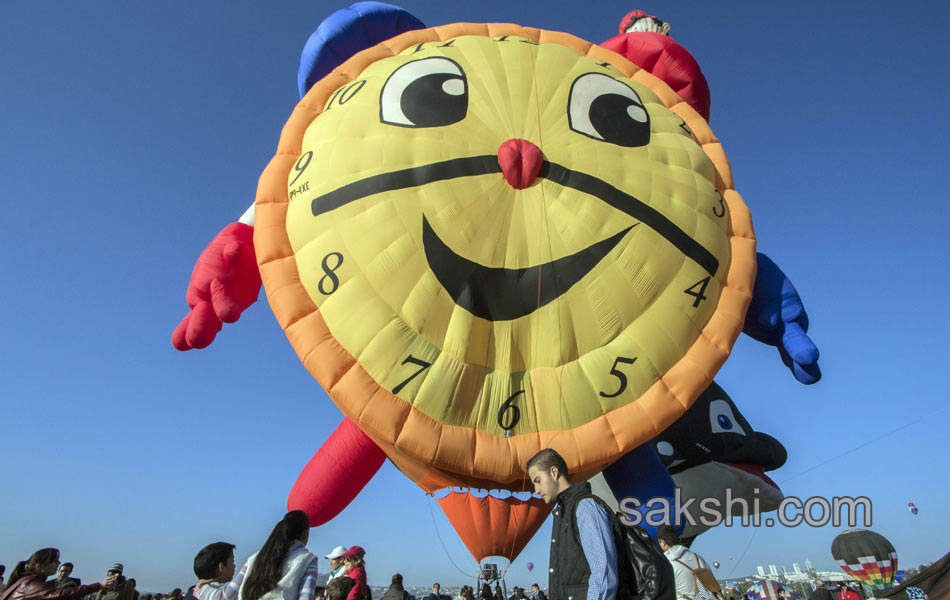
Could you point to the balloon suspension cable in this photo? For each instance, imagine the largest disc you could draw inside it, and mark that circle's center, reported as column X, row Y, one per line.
column 439, row 535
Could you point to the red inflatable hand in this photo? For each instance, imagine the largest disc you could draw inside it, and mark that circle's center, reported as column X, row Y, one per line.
column 225, row 281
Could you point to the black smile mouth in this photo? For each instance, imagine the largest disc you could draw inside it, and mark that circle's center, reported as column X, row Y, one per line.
column 501, row 294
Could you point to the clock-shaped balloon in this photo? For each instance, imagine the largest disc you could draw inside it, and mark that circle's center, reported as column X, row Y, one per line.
column 485, row 240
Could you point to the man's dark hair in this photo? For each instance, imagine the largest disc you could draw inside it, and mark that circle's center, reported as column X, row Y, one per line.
column 397, row 578
column 547, row 458
column 668, row 534
column 209, row 557
column 67, row 565
column 339, row 588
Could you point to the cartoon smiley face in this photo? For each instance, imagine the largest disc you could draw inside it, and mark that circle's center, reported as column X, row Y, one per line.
column 485, row 240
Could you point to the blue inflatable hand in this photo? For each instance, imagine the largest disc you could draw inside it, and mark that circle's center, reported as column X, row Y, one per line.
column 777, row 317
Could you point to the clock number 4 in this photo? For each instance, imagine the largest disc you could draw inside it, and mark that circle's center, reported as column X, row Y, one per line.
column 699, row 294
column 620, row 375
column 423, row 365
column 509, row 414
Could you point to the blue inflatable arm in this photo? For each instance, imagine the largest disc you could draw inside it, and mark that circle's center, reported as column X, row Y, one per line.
column 777, row 317
column 640, row 474
column 346, row 32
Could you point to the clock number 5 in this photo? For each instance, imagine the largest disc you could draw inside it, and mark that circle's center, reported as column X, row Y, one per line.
column 509, row 414
column 423, row 365
column 619, row 375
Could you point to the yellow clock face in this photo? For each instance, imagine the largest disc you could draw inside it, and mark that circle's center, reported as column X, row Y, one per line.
column 485, row 299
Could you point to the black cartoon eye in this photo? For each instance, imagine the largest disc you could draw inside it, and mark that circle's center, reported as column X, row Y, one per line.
column 605, row 109
column 431, row 92
column 721, row 419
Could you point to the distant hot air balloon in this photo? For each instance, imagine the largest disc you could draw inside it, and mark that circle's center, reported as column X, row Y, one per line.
column 715, row 564
column 530, row 566
column 912, row 507
column 867, row 556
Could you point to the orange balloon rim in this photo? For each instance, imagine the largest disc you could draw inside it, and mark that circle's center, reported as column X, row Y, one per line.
column 438, row 455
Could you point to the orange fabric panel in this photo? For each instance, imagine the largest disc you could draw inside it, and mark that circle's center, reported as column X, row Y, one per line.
column 492, row 526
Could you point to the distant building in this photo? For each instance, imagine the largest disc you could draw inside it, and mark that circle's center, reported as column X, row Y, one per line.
column 796, row 568
column 808, row 566
column 773, row 570
column 761, row 571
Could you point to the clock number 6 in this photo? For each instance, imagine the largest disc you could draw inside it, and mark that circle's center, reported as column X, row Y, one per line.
column 619, row 375
column 508, row 409
column 423, row 365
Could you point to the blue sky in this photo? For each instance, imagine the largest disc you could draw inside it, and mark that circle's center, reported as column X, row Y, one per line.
column 133, row 132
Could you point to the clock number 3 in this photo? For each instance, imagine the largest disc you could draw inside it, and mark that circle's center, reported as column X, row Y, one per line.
column 720, row 211
column 423, row 365
column 619, row 375
column 509, row 414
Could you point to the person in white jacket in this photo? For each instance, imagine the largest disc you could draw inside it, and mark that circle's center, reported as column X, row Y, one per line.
column 685, row 562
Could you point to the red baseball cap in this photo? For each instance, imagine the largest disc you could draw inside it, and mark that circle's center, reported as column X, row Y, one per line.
column 354, row 551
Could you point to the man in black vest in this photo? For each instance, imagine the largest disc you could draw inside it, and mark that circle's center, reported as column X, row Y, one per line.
column 583, row 562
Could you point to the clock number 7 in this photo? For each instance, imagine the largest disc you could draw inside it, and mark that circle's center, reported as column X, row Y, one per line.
column 619, row 375
column 423, row 365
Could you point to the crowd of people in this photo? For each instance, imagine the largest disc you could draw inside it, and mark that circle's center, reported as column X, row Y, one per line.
column 583, row 565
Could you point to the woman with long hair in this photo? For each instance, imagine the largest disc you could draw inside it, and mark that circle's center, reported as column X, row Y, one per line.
column 28, row 580
column 283, row 569
column 356, row 571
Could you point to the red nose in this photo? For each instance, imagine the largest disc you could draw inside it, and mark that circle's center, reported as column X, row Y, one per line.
column 520, row 162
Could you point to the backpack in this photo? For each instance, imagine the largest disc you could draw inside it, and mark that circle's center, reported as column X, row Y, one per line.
column 705, row 578
column 643, row 570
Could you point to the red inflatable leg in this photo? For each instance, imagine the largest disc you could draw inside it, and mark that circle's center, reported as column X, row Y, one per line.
column 336, row 474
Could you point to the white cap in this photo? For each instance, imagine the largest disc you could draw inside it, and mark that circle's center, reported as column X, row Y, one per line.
column 336, row 552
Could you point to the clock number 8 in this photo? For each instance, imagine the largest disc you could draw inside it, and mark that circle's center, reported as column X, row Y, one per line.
column 619, row 375
column 330, row 274
column 512, row 412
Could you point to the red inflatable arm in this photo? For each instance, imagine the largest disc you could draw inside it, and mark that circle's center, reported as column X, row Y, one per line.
column 225, row 281
column 336, row 474
column 663, row 57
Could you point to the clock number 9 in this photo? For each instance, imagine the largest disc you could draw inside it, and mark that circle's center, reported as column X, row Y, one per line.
column 301, row 165
column 509, row 414
column 619, row 375
column 423, row 365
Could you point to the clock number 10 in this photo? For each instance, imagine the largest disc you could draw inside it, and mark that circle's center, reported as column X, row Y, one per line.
column 620, row 375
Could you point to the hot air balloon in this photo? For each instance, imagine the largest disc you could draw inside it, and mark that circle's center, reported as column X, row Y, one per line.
column 912, row 507
column 867, row 556
column 715, row 564
column 530, row 566
column 454, row 351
